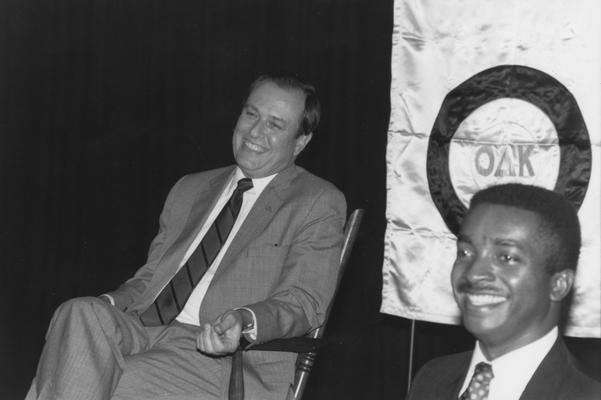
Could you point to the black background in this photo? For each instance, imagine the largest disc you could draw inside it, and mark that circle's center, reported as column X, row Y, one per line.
column 104, row 104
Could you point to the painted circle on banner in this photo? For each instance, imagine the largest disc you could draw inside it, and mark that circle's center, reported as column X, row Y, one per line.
column 502, row 141
column 509, row 123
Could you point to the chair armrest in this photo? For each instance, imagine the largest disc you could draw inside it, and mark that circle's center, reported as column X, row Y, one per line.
column 290, row 345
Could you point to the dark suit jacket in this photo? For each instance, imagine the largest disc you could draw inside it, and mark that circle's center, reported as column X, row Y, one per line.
column 557, row 377
column 282, row 263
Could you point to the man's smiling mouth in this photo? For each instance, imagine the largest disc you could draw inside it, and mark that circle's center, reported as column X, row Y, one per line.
column 254, row 147
column 481, row 300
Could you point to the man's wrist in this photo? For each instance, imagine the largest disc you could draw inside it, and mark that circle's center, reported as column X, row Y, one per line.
column 248, row 321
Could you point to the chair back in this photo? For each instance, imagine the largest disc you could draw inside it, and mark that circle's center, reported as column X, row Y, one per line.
column 304, row 362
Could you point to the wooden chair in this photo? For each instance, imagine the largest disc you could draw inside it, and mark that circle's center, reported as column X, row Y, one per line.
column 306, row 346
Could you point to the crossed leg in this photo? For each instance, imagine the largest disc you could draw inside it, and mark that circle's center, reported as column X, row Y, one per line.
column 84, row 352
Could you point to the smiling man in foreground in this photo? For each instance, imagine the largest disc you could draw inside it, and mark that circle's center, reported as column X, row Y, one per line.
column 517, row 252
column 251, row 249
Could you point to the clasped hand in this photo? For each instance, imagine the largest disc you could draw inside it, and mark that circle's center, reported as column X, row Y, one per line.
column 223, row 335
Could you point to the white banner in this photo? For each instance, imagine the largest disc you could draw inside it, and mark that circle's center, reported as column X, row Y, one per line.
column 487, row 92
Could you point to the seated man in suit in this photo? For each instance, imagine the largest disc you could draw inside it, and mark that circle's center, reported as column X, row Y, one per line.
column 251, row 249
column 517, row 251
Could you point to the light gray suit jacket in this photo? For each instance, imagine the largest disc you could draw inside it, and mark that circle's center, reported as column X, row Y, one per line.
column 282, row 263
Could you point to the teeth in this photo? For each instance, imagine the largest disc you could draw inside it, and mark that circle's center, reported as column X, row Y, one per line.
column 253, row 146
column 484, row 299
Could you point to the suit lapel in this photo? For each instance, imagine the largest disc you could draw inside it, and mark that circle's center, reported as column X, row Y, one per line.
column 544, row 383
column 456, row 377
column 455, row 385
column 259, row 216
column 203, row 203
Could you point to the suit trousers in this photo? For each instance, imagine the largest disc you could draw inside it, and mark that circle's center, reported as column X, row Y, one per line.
column 95, row 351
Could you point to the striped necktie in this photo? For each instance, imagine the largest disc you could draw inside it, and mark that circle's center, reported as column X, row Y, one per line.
column 479, row 385
column 174, row 296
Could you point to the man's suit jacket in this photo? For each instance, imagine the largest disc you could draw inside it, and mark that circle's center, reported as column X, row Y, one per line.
column 282, row 263
column 557, row 377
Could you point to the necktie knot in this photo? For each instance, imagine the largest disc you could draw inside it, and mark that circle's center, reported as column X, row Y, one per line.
column 244, row 184
column 484, row 370
column 479, row 385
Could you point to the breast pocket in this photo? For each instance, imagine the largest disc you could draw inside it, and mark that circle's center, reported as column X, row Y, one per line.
column 270, row 250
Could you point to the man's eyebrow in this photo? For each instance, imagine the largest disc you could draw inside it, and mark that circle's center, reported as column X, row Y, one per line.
column 507, row 242
column 279, row 119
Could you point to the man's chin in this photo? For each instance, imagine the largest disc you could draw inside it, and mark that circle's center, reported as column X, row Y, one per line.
column 250, row 167
column 481, row 324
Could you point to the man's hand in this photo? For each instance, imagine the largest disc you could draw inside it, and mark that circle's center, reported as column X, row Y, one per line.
column 223, row 336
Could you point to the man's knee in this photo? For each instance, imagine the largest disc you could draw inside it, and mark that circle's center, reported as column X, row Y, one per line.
column 81, row 309
column 81, row 305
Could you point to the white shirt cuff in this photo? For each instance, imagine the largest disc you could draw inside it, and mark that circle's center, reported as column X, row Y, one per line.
column 108, row 296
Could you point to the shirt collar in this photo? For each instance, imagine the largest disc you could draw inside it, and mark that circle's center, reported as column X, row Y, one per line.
column 515, row 367
column 258, row 183
column 541, row 345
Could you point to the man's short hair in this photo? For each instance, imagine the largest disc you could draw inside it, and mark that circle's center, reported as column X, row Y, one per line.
column 559, row 226
column 311, row 113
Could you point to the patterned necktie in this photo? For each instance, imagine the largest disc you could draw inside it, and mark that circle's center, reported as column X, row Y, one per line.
column 478, row 387
column 174, row 296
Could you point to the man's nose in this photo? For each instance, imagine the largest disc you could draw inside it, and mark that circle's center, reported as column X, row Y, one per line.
column 256, row 129
column 480, row 269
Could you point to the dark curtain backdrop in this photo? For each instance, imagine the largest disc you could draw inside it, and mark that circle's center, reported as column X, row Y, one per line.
column 104, row 104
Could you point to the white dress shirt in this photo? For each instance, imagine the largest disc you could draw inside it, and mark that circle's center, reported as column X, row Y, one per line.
column 512, row 371
column 190, row 312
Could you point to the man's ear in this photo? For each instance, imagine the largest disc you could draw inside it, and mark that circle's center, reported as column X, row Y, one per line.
column 561, row 283
column 301, row 143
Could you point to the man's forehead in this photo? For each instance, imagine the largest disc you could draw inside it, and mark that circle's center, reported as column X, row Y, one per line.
column 494, row 209
column 499, row 220
column 274, row 92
